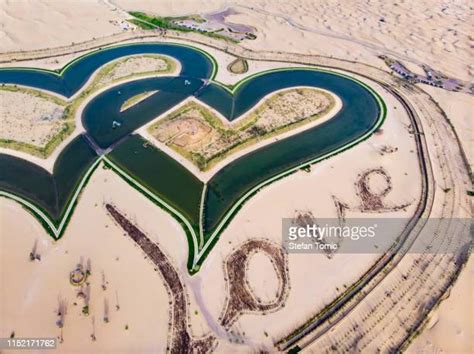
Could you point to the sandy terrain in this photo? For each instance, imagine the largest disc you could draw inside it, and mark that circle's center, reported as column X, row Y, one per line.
column 22, row 112
column 259, row 218
column 134, row 65
column 56, row 23
column 206, row 175
column 458, row 108
column 265, row 288
column 451, row 328
column 419, row 32
column 35, row 288
column 132, row 101
column 206, row 137
column 435, row 33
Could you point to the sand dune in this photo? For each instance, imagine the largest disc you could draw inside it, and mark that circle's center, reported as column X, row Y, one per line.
column 55, row 23
column 436, row 33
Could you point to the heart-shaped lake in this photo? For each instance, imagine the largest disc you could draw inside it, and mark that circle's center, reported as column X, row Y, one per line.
column 204, row 209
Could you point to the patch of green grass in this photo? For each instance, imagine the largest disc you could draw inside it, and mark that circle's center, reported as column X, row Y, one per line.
column 162, row 22
column 148, row 22
column 195, row 18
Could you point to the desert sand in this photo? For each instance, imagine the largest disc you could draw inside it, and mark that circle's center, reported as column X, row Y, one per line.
column 278, row 115
column 207, row 175
column 37, row 105
column 102, row 242
column 22, row 112
column 129, row 278
column 419, row 32
column 135, row 65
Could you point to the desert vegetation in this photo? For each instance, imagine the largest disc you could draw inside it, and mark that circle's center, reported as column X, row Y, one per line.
column 32, row 120
column 201, row 136
column 135, row 66
column 240, row 297
column 371, row 187
column 180, row 341
column 132, row 101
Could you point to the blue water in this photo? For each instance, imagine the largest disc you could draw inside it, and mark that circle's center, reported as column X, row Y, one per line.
column 359, row 113
column 194, row 64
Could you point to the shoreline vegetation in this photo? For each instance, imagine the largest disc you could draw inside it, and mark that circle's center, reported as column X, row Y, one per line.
column 148, row 22
column 198, row 134
column 105, row 76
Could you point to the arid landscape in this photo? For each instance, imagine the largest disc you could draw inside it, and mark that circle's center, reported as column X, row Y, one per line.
column 29, row 111
column 153, row 154
column 203, row 137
